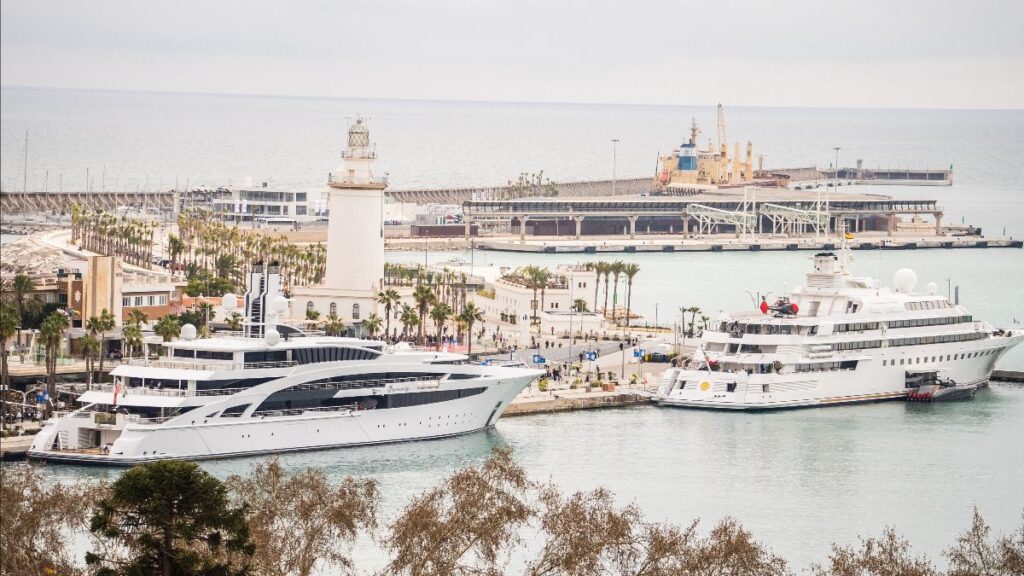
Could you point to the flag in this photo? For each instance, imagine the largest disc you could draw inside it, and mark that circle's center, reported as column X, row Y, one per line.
column 117, row 389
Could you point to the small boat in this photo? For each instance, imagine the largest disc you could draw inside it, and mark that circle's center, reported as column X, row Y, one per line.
column 933, row 388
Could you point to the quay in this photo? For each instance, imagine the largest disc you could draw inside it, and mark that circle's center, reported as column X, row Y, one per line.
column 578, row 399
column 1016, row 376
column 732, row 244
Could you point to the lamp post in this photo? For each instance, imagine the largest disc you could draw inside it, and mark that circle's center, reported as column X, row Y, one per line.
column 615, row 142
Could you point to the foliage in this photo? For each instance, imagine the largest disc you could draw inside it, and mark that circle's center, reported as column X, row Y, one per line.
column 424, row 297
column 312, row 314
column 234, row 321
column 51, row 334
column 137, row 317
column 470, row 315
column 304, row 521
column 372, row 324
column 440, row 314
column 388, row 298
column 888, row 555
column 334, row 326
column 580, row 305
column 38, row 519
column 171, row 518
column 168, row 327
column 131, row 337
column 10, row 323
column 464, row 526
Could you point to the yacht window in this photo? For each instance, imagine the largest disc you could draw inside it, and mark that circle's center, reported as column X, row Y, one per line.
column 813, row 309
column 764, row 388
column 730, row 387
column 179, row 353
column 234, row 411
column 214, row 355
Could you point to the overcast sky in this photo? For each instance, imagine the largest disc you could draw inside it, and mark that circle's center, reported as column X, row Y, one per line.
column 893, row 53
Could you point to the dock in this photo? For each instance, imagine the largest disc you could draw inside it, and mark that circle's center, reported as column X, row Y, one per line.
column 1016, row 376
column 597, row 245
column 572, row 400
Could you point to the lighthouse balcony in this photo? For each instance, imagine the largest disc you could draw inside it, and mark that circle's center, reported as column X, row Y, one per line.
column 358, row 182
column 368, row 154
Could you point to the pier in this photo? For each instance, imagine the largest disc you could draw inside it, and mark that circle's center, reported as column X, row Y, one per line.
column 572, row 400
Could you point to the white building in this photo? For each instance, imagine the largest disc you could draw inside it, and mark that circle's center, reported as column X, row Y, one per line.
column 258, row 205
column 355, row 237
column 514, row 298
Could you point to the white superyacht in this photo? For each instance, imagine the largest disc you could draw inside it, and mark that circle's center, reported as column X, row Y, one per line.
column 839, row 339
column 274, row 388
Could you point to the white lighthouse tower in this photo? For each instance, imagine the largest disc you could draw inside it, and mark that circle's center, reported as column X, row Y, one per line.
column 355, row 233
column 355, row 237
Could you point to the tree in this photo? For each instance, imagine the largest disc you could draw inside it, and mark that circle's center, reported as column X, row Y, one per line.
column 38, row 516
column 630, row 270
column 303, row 523
column 580, row 305
column 137, row 317
column 424, row 297
column 170, row 517
column 131, row 338
column 10, row 323
column 605, row 268
column 616, row 268
column 334, row 326
column 974, row 554
column 410, row 319
column 440, row 314
column 470, row 315
column 104, row 323
column 90, row 348
column 312, row 314
column 207, row 313
column 168, row 327
column 388, row 298
column 888, row 555
column 475, row 512
column 234, row 321
column 22, row 288
column 372, row 324
column 51, row 333
column 175, row 246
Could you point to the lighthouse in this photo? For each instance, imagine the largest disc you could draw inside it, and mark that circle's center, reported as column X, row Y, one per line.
column 355, row 232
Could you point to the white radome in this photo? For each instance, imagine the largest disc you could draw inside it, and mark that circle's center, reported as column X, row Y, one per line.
column 229, row 301
column 932, row 288
column 280, row 304
column 188, row 332
column 272, row 337
column 904, row 280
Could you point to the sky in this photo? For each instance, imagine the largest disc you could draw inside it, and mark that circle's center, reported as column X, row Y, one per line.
column 832, row 53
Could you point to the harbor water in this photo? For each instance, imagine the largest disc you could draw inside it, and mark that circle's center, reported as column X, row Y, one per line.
column 798, row 479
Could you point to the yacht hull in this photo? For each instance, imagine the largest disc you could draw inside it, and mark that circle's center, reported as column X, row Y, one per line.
column 199, row 439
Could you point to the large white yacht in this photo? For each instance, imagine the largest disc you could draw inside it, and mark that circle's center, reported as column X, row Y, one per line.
column 274, row 388
column 839, row 339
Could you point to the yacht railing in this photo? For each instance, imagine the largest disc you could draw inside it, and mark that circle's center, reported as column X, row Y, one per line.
column 300, row 411
column 207, row 365
column 172, row 392
column 375, row 383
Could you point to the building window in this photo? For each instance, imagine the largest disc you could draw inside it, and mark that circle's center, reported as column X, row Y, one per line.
column 300, row 210
column 334, row 308
column 300, row 197
column 355, row 311
column 309, row 306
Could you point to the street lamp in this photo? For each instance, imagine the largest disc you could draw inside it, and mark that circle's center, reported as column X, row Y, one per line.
column 615, row 142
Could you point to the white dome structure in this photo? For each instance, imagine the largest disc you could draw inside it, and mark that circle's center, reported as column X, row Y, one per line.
column 229, row 302
column 904, row 280
column 272, row 337
column 188, row 332
column 932, row 288
column 279, row 305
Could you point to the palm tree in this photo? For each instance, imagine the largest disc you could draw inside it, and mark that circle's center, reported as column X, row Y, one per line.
column 616, row 269
column 580, row 305
column 606, row 269
column 175, row 246
column 470, row 315
column 630, row 270
column 22, row 286
column 333, row 326
column 105, row 323
column 388, row 298
column 168, row 327
column 424, row 297
column 598, row 268
column 52, row 335
column 234, row 321
column 137, row 317
column 410, row 319
column 689, row 328
column 206, row 312
column 131, row 337
column 90, row 347
column 541, row 276
column 372, row 324
column 440, row 314
column 9, row 324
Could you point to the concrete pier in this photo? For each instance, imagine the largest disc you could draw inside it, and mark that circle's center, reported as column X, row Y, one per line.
column 578, row 399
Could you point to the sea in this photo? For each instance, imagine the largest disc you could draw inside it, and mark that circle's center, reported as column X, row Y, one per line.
column 798, row 479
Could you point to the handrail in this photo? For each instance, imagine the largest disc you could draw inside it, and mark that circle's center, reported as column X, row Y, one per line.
column 208, row 365
column 300, row 411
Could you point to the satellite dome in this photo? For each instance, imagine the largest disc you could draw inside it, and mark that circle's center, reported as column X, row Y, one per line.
column 188, row 332
column 279, row 304
column 229, row 301
column 932, row 287
column 904, row 280
column 272, row 337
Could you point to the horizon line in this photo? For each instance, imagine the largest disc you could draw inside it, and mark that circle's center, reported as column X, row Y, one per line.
column 495, row 101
